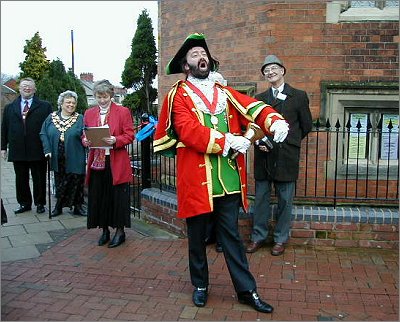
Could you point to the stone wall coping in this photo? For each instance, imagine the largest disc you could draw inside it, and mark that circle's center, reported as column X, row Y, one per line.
column 367, row 215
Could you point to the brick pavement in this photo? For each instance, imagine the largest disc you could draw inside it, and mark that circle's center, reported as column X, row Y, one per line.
column 147, row 279
column 57, row 274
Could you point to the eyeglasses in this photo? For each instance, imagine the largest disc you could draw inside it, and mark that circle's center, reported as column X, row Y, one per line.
column 271, row 69
column 26, row 86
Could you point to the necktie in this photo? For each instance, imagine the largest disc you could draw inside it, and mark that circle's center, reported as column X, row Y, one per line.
column 25, row 110
column 275, row 93
column 26, row 107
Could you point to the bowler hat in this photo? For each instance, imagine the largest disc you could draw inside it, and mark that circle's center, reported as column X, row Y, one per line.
column 272, row 59
column 193, row 40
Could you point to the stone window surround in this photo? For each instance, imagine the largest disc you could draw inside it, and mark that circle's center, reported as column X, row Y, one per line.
column 341, row 98
column 336, row 12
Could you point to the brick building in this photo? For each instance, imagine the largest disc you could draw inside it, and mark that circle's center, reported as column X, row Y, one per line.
column 344, row 54
column 241, row 33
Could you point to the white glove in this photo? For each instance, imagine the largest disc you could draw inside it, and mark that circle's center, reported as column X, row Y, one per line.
column 236, row 142
column 280, row 129
column 47, row 155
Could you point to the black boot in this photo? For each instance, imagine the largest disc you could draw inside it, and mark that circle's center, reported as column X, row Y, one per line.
column 79, row 211
column 105, row 237
column 57, row 209
column 118, row 238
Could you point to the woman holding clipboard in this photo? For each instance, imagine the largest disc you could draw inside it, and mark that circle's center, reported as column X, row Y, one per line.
column 108, row 168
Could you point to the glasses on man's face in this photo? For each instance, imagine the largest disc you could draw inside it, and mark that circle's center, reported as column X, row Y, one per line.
column 26, row 86
column 271, row 69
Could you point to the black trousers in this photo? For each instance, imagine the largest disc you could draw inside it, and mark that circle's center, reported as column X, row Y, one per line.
column 226, row 210
column 38, row 172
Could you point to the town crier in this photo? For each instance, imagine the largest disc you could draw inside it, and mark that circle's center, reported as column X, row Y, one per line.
column 203, row 122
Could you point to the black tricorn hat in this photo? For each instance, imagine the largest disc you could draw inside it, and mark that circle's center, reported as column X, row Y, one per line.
column 193, row 40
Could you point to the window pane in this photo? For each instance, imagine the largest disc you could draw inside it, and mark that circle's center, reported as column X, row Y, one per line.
column 358, row 136
column 394, row 3
column 390, row 137
column 362, row 4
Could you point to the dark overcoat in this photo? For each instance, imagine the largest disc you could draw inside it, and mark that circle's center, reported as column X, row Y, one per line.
column 23, row 141
column 282, row 162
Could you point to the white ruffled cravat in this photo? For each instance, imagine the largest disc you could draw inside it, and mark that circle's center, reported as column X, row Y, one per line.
column 206, row 86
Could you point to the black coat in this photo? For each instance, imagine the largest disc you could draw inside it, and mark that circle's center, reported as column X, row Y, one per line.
column 24, row 142
column 282, row 162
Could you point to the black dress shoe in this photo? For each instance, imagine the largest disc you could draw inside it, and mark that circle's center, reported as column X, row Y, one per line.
column 40, row 209
column 78, row 210
column 105, row 237
column 22, row 209
column 251, row 298
column 200, row 296
column 117, row 240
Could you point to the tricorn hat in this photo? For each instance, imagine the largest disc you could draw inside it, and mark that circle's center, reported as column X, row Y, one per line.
column 272, row 59
column 193, row 40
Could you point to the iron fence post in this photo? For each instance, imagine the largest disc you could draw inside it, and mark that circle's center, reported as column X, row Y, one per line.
column 145, row 156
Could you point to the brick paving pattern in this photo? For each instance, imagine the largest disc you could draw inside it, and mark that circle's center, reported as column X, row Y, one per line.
column 52, row 269
column 147, row 278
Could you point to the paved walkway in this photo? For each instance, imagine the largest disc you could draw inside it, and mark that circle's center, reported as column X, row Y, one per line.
column 53, row 270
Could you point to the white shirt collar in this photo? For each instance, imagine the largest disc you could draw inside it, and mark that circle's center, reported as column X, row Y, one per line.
column 280, row 88
column 23, row 101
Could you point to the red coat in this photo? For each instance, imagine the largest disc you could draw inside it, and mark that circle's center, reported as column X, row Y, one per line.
column 184, row 133
column 121, row 126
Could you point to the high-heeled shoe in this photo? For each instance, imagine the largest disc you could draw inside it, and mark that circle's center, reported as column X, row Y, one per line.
column 104, row 238
column 117, row 240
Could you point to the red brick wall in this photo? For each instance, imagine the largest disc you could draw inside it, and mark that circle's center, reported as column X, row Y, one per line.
column 241, row 33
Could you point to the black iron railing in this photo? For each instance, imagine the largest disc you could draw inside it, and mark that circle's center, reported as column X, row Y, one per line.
column 350, row 165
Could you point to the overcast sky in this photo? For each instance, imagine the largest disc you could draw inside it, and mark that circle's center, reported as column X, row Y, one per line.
column 103, row 32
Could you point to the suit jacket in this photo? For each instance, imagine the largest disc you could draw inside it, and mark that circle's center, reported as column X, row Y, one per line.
column 23, row 140
column 181, row 129
column 282, row 162
column 121, row 126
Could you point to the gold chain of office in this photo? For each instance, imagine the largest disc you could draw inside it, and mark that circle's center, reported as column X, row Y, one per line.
column 63, row 125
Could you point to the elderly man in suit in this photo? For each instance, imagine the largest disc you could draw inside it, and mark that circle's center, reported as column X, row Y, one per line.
column 20, row 128
column 278, row 163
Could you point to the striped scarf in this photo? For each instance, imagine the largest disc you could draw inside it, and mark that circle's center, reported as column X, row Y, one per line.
column 99, row 159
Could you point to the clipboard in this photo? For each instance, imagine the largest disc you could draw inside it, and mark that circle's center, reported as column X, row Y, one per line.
column 95, row 134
